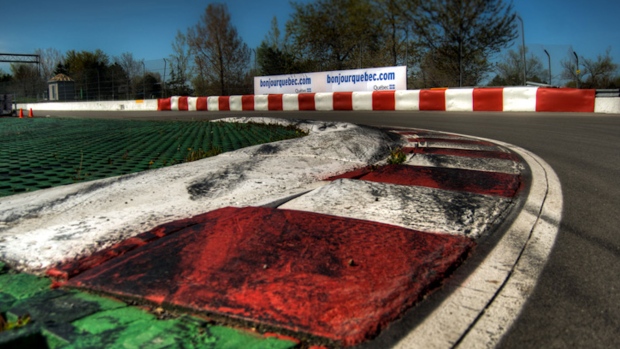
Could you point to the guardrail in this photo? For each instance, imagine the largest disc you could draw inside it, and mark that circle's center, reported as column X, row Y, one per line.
column 610, row 92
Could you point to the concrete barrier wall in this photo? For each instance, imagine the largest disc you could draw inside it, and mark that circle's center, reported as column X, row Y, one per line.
column 508, row 99
column 134, row 105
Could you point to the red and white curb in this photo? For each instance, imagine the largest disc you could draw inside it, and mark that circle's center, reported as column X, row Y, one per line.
column 45, row 228
column 480, row 303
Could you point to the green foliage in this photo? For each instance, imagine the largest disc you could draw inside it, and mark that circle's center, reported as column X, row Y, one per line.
column 397, row 156
column 9, row 325
column 273, row 61
column 27, row 80
column 197, row 154
column 334, row 34
column 460, row 36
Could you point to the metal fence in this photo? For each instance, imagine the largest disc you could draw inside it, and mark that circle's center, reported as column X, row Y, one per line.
column 107, row 83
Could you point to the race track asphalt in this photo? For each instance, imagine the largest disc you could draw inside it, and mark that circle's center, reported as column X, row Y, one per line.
column 575, row 304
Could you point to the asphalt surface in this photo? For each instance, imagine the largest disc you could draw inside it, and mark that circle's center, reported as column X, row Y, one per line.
column 575, row 304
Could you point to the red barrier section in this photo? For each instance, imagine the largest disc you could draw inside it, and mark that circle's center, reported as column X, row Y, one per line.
column 201, row 103
column 247, row 102
column 274, row 102
column 306, row 101
column 224, row 103
column 565, row 100
column 163, row 104
column 343, row 100
column 383, row 100
column 488, row 99
column 331, row 277
column 433, row 100
column 183, row 103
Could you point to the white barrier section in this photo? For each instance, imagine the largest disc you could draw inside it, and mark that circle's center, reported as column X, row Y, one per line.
column 174, row 103
column 362, row 100
column 290, row 102
column 213, row 103
column 324, row 101
column 520, row 98
column 261, row 102
column 460, row 99
column 191, row 103
column 235, row 103
column 407, row 100
column 609, row 105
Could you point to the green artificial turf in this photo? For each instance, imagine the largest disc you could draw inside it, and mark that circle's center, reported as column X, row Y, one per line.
column 41, row 153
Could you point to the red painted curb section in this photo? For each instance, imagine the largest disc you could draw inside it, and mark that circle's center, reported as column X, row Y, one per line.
column 478, row 182
column 331, row 277
column 69, row 270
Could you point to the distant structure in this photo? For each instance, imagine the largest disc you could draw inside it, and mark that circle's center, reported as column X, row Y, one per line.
column 61, row 88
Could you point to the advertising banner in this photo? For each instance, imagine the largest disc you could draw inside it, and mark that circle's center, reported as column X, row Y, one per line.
column 286, row 84
column 372, row 79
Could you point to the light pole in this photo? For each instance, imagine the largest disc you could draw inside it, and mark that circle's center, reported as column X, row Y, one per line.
column 164, row 91
column 549, row 57
column 143, row 80
column 255, row 59
column 98, row 85
column 523, row 44
column 578, row 71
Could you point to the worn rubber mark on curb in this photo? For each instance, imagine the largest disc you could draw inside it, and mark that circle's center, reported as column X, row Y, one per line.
column 329, row 277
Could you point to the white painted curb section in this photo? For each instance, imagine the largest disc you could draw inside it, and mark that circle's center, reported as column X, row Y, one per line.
column 478, row 307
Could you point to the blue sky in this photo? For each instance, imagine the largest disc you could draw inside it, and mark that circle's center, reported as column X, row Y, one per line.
column 147, row 28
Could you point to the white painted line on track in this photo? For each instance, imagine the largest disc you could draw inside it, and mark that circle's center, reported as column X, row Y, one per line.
column 478, row 305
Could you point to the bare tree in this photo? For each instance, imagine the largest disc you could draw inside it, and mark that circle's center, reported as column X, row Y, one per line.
column 49, row 60
column 395, row 26
column 599, row 73
column 510, row 69
column 273, row 36
column 134, row 70
column 220, row 54
column 181, row 69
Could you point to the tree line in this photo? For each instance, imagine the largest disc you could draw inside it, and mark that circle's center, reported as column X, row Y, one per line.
column 96, row 76
column 443, row 43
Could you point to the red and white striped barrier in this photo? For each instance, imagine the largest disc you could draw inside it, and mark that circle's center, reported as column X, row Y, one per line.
column 507, row 99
